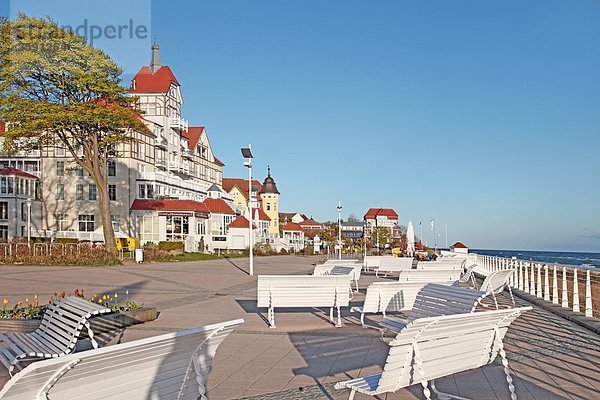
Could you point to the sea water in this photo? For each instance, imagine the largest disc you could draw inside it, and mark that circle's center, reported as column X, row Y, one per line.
column 577, row 259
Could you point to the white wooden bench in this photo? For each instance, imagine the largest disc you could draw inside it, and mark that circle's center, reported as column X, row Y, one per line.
column 468, row 274
column 393, row 264
column 435, row 299
column 303, row 291
column 56, row 336
column 426, row 275
column 434, row 347
column 446, row 264
column 171, row 366
column 384, row 297
column 333, row 269
column 495, row 283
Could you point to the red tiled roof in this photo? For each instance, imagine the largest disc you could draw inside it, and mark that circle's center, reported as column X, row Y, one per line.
column 292, row 226
column 147, row 82
column 387, row 212
column 459, row 245
column 241, row 222
column 310, row 233
column 193, row 135
column 168, row 205
column 17, row 172
column 262, row 216
column 310, row 223
column 219, row 162
column 241, row 184
column 218, row 206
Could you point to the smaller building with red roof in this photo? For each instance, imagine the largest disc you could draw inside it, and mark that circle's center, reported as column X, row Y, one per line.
column 382, row 218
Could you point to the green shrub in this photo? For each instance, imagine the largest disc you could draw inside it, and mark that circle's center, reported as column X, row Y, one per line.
column 170, row 246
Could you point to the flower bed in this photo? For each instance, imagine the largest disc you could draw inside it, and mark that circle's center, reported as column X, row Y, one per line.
column 26, row 316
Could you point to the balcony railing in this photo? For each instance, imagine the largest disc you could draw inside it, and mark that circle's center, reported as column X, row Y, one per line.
column 178, row 124
column 161, row 142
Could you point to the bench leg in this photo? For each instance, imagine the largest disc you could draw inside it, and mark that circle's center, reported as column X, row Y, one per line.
column 352, row 393
column 271, row 317
column 511, row 295
column 339, row 319
column 91, row 334
column 331, row 315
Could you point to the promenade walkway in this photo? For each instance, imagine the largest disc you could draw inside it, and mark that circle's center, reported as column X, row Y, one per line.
column 301, row 359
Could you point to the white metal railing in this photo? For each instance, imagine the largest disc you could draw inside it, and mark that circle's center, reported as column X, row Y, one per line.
column 178, row 123
column 551, row 282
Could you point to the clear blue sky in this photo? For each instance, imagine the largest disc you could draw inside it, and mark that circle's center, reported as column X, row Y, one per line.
column 484, row 115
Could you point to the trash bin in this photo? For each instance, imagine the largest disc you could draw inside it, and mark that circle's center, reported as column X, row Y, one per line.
column 139, row 255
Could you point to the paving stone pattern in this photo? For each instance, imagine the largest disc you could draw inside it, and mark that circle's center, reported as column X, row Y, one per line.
column 305, row 355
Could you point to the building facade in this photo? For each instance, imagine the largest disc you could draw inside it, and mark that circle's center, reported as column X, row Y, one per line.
column 353, row 230
column 169, row 160
column 382, row 218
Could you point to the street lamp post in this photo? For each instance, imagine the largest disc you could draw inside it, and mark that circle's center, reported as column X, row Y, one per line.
column 28, row 202
column 339, row 208
column 247, row 153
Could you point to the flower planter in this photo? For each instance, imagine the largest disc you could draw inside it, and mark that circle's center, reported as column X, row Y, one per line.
column 99, row 324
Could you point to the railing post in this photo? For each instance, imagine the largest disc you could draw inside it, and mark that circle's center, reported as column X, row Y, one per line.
column 546, row 284
column 520, row 275
column 526, row 275
column 575, row 291
column 554, row 286
column 538, row 289
column 565, row 294
column 532, row 282
column 588, row 296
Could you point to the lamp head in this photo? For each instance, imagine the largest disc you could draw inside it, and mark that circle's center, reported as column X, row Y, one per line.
column 247, row 152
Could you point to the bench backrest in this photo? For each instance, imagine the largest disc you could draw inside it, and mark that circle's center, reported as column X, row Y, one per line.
column 446, row 264
column 303, row 291
column 445, row 345
column 64, row 320
column 395, row 263
column 333, row 269
column 495, row 281
column 391, row 296
column 341, row 262
column 171, row 366
column 435, row 299
column 424, row 275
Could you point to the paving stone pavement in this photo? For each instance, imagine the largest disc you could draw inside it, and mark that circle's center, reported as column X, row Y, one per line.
column 304, row 357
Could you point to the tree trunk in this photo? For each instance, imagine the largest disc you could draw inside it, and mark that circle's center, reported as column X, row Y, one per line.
column 104, row 206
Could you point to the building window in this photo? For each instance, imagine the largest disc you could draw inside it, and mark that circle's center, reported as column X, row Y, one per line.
column 116, row 222
column 3, row 185
column 111, row 166
column 79, row 171
column 4, row 210
column 92, row 192
column 201, row 227
column 86, row 223
column 60, row 191
column 4, row 233
column 145, row 191
column 79, row 192
column 23, row 211
column 268, row 207
column 177, row 228
column 59, row 150
column 112, row 192
column 60, row 222
column 60, row 168
column 149, row 228
column 10, row 185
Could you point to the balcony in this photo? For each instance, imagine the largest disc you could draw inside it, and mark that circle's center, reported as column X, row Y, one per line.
column 161, row 163
column 161, row 142
column 179, row 124
column 189, row 154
